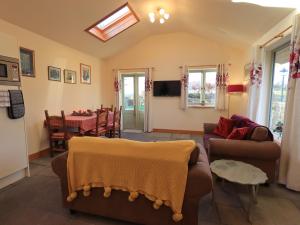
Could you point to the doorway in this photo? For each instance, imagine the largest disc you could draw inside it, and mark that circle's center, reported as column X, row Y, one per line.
column 133, row 101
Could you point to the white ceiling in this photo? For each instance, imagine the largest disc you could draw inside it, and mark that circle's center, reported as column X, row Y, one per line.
column 65, row 21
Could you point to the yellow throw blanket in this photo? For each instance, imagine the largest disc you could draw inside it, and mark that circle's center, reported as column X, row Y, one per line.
column 157, row 170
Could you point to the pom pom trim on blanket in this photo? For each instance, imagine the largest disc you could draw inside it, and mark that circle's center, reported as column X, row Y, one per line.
column 133, row 195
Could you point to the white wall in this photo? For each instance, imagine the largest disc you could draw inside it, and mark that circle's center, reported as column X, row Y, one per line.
column 166, row 53
column 282, row 25
column 41, row 94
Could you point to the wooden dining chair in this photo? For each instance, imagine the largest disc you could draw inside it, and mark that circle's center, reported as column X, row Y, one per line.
column 101, row 123
column 57, row 133
column 109, row 108
column 115, row 127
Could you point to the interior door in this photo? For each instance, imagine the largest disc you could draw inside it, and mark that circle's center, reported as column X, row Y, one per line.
column 133, row 98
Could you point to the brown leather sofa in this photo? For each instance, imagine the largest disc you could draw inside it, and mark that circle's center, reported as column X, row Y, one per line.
column 141, row 211
column 258, row 151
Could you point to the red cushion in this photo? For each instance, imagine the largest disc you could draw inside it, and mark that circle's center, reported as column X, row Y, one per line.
column 224, row 127
column 238, row 133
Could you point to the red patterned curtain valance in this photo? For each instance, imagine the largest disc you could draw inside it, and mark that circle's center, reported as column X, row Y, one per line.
column 222, row 76
column 295, row 58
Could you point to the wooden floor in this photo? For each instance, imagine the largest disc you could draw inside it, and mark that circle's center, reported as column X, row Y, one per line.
column 37, row 200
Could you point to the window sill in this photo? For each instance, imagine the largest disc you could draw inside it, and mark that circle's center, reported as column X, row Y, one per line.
column 201, row 106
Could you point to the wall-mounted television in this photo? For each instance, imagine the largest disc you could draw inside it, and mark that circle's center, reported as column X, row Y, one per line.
column 167, row 88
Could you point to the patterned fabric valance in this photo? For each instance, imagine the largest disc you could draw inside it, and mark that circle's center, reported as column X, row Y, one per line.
column 117, row 83
column 222, row 76
column 255, row 74
column 295, row 56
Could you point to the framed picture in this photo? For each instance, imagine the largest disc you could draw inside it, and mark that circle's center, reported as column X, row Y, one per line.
column 54, row 73
column 27, row 62
column 85, row 74
column 70, row 76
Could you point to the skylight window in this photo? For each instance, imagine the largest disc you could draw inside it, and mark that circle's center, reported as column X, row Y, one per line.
column 114, row 23
column 116, row 16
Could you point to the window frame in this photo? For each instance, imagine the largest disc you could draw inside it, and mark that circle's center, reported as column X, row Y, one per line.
column 114, row 28
column 204, row 71
column 271, row 80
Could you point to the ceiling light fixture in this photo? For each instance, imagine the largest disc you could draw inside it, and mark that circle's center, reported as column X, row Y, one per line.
column 272, row 3
column 161, row 15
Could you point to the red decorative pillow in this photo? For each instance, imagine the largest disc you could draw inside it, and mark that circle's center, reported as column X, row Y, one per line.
column 224, row 127
column 238, row 133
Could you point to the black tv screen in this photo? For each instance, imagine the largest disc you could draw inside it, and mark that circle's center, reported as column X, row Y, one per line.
column 167, row 88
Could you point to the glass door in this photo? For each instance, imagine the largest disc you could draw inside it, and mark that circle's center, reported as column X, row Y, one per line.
column 133, row 98
column 279, row 89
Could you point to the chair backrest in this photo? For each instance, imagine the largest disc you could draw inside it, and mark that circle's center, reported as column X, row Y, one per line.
column 117, row 116
column 64, row 128
column 102, row 118
column 56, row 123
column 109, row 108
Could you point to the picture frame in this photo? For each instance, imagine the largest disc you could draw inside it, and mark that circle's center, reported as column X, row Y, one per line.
column 69, row 76
column 85, row 74
column 54, row 73
column 27, row 62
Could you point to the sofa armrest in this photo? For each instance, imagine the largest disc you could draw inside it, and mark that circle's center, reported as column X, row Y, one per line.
column 209, row 127
column 267, row 150
column 59, row 166
column 199, row 179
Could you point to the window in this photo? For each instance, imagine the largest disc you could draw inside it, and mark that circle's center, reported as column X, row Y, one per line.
column 202, row 87
column 114, row 23
column 280, row 64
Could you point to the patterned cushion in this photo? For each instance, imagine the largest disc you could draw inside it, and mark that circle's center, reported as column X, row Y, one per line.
column 101, row 130
column 238, row 133
column 110, row 125
column 224, row 127
column 60, row 136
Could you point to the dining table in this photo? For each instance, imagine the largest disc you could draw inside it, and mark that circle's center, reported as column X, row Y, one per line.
column 83, row 124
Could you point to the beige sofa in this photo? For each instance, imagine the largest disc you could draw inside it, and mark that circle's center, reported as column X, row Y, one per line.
column 258, row 149
column 199, row 184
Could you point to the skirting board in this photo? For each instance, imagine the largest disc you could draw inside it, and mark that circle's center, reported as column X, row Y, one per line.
column 10, row 179
column 39, row 154
column 193, row 132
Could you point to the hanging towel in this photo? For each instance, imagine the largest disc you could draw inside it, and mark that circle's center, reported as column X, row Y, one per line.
column 4, row 99
column 17, row 108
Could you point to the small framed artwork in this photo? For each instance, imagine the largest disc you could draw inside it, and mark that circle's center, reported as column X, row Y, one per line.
column 27, row 62
column 70, row 76
column 85, row 74
column 54, row 73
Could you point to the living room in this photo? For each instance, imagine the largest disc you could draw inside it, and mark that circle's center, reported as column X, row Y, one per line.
column 214, row 79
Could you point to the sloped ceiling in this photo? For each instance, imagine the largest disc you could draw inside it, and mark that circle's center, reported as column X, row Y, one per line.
column 65, row 21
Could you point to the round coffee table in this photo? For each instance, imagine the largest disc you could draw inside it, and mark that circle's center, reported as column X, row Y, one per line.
column 240, row 173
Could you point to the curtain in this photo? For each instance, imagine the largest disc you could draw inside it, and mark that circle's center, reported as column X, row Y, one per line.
column 184, row 87
column 258, row 87
column 289, row 173
column 221, row 87
column 254, row 84
column 148, row 95
column 117, row 88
